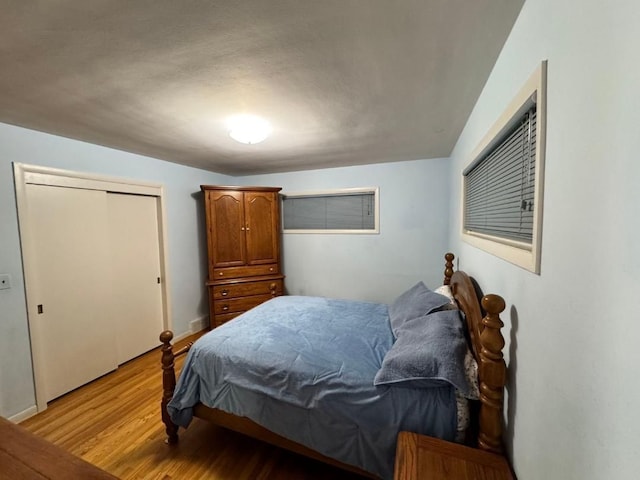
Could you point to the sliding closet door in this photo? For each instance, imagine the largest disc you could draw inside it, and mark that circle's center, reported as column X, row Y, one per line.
column 70, row 242
column 135, row 270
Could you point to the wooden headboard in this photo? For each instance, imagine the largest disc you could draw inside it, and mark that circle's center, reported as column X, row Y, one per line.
column 483, row 324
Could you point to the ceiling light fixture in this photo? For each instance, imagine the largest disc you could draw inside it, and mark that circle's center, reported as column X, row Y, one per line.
column 248, row 129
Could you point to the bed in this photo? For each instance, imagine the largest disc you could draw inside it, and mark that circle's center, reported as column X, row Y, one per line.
column 337, row 380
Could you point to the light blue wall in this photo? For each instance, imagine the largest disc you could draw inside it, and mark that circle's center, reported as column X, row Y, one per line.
column 410, row 246
column 573, row 331
column 187, row 249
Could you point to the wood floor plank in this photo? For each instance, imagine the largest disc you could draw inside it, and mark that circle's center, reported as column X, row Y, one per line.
column 114, row 423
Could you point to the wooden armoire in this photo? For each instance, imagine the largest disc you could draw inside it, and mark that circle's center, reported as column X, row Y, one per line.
column 243, row 243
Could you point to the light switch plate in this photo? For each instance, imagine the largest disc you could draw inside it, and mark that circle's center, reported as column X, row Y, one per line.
column 5, row 281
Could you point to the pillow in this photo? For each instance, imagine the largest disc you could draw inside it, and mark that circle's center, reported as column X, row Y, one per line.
column 415, row 302
column 446, row 291
column 429, row 352
column 471, row 372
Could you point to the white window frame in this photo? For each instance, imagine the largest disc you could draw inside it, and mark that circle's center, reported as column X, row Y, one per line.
column 337, row 192
column 522, row 254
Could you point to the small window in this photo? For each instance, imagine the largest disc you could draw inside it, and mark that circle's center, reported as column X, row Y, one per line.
column 353, row 210
column 502, row 186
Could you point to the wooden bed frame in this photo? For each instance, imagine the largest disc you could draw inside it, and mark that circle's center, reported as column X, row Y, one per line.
column 483, row 328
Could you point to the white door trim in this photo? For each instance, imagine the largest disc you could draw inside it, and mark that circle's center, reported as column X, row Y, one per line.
column 33, row 174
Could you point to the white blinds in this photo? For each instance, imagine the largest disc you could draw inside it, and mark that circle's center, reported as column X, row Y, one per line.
column 354, row 211
column 499, row 189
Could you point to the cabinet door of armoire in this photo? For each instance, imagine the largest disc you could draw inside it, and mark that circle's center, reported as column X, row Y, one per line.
column 262, row 222
column 226, row 235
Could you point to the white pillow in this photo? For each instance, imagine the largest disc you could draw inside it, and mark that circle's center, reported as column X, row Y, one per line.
column 446, row 291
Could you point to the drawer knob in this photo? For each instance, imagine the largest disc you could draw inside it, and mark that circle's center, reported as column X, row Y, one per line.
column 221, row 273
column 272, row 286
column 225, row 292
column 271, row 269
column 225, row 308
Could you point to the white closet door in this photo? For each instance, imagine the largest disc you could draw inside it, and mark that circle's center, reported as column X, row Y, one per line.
column 75, row 334
column 135, row 270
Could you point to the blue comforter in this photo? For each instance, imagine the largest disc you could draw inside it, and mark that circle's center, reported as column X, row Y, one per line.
column 303, row 367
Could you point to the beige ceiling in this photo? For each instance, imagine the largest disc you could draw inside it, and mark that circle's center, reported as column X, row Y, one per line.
column 343, row 82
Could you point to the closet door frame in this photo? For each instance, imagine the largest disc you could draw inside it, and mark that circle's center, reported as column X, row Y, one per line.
column 33, row 174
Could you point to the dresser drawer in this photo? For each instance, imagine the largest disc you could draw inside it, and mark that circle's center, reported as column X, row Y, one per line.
column 252, row 271
column 240, row 304
column 264, row 287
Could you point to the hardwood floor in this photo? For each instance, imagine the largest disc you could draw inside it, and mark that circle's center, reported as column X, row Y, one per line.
column 114, row 423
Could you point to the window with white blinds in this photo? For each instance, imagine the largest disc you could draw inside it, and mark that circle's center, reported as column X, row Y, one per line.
column 499, row 189
column 336, row 211
column 502, row 185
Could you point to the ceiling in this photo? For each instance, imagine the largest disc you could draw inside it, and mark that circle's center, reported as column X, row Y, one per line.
column 342, row 82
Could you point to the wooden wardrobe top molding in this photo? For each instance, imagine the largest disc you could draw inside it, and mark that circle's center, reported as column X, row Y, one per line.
column 241, row 189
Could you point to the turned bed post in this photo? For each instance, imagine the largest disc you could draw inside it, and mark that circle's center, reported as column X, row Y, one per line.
column 448, row 267
column 493, row 375
column 483, row 325
column 168, row 384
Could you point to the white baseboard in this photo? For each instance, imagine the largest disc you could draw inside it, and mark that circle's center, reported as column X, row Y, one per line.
column 195, row 326
column 199, row 324
column 23, row 415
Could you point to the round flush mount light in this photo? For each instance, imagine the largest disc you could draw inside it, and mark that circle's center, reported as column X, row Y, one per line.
column 248, row 129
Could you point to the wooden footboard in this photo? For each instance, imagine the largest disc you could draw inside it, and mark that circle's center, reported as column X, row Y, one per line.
column 232, row 422
column 169, row 381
